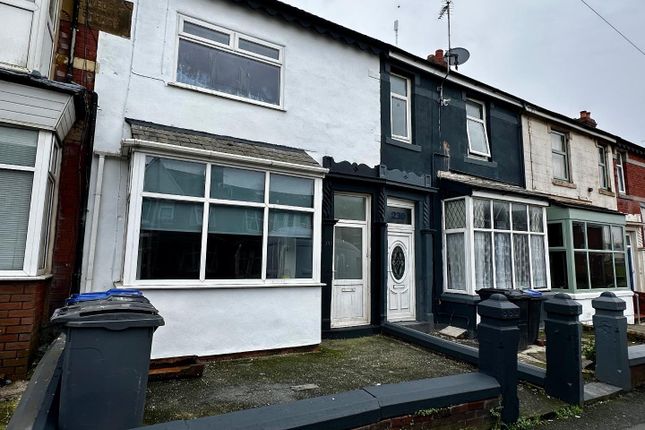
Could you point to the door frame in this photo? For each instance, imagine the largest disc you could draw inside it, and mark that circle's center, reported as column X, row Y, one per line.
column 365, row 226
column 407, row 229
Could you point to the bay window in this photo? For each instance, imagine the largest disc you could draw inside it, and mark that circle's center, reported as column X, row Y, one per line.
column 220, row 224
column 494, row 243
column 29, row 165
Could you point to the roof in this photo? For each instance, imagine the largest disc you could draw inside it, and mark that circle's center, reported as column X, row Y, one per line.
column 151, row 132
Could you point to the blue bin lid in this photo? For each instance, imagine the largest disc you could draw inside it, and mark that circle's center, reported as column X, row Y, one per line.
column 533, row 293
column 102, row 295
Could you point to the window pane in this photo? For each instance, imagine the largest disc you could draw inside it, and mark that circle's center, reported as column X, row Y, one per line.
column 394, row 215
column 556, row 237
column 290, row 247
column 602, row 174
column 621, row 270
column 15, row 195
column 558, row 142
column 169, row 176
column 44, row 233
column 258, row 48
column 582, row 274
column 503, row 267
column 18, row 146
column 206, row 33
column 559, row 275
column 559, row 165
column 537, row 224
column 234, row 243
column 617, row 238
column 538, row 263
column 456, row 261
column 237, row 184
column 399, row 117
column 500, row 213
column 398, row 85
column 291, row 191
column 579, row 235
column 477, row 137
column 521, row 259
column 218, row 70
column 455, row 213
column 519, row 217
column 348, row 253
column 170, row 239
column 349, row 207
column 601, row 266
column 598, row 237
column 474, row 110
column 481, row 213
column 483, row 260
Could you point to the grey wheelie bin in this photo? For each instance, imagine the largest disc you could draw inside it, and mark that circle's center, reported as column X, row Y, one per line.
column 106, row 359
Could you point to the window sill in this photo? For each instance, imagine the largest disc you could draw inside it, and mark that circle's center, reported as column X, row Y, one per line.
column 23, row 278
column 459, row 296
column 563, row 183
column 225, row 95
column 480, row 161
column 195, row 285
column 606, row 192
column 402, row 144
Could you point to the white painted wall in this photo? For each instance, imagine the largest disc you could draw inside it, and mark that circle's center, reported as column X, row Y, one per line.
column 222, row 321
column 588, row 311
column 583, row 161
column 331, row 107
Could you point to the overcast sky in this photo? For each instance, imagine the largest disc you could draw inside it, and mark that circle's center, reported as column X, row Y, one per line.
column 555, row 53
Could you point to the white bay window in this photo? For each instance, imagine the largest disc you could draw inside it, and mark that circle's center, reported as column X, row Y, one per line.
column 29, row 168
column 492, row 242
column 197, row 223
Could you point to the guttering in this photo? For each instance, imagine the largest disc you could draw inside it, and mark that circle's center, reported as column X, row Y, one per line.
column 130, row 144
column 569, row 124
column 98, row 191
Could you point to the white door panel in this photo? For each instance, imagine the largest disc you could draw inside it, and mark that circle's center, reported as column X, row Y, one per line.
column 400, row 276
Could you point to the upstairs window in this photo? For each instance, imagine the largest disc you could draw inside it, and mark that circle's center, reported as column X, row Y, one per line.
column 476, row 128
column 602, row 168
column 620, row 171
column 229, row 63
column 559, row 156
column 400, row 107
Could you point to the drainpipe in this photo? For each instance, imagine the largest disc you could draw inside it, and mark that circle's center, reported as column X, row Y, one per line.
column 72, row 45
column 89, row 276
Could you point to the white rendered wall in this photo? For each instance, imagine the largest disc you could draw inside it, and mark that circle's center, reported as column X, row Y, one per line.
column 588, row 311
column 331, row 90
column 583, row 160
column 222, row 321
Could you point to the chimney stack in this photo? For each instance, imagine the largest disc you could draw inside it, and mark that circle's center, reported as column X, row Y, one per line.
column 437, row 57
column 586, row 119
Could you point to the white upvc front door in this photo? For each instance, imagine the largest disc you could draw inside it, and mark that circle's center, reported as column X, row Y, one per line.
column 400, row 260
column 350, row 284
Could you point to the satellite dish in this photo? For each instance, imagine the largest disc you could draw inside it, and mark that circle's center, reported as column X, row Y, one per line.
column 457, row 56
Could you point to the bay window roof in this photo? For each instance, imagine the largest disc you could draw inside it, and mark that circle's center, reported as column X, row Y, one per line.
column 191, row 141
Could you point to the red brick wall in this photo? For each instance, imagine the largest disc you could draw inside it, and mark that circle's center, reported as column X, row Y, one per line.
column 21, row 309
column 635, row 185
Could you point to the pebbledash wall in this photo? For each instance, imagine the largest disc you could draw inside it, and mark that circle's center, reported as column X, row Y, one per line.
column 331, row 107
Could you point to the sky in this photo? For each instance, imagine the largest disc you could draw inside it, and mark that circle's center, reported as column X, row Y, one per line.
column 557, row 54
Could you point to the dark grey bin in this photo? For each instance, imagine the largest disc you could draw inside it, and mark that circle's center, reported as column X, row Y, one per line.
column 105, row 362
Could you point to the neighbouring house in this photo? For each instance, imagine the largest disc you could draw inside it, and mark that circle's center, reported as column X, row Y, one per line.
column 629, row 164
column 46, row 130
column 214, row 120
column 571, row 161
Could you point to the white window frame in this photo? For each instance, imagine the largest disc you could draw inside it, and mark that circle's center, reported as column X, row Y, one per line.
column 564, row 153
column 480, row 121
column 233, row 48
column 408, row 109
column 620, row 172
column 602, row 163
column 469, row 240
column 134, row 226
column 41, row 171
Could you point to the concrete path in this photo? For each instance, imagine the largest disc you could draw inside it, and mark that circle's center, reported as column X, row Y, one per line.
column 624, row 412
